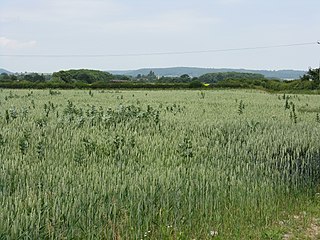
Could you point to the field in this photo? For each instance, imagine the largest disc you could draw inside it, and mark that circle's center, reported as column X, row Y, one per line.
column 227, row 164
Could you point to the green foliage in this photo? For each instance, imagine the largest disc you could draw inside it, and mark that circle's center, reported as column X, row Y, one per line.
column 81, row 75
column 287, row 105
column 4, row 77
column 185, row 78
column 121, row 77
column 192, row 71
column 154, row 164
column 293, row 114
column 241, row 107
column 91, row 79
column 53, row 92
column 196, row 84
column 7, row 116
column 40, row 149
column 2, row 140
column 23, row 144
column 202, row 95
column 272, row 85
column 13, row 113
column 312, row 75
column 151, row 76
column 185, row 148
column 217, row 77
column 34, row 77
column 94, row 85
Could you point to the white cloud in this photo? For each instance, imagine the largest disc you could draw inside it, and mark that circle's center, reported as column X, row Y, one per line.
column 59, row 11
column 78, row 9
column 103, row 16
column 15, row 44
column 166, row 22
column 230, row 2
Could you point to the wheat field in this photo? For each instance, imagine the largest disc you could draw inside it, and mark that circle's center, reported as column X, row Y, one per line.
column 182, row 164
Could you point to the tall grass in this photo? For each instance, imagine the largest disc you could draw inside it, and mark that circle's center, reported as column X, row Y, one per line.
column 153, row 164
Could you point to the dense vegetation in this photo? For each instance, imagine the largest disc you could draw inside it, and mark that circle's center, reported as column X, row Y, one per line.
column 218, row 77
column 197, row 72
column 82, row 75
column 155, row 164
column 312, row 75
column 84, row 78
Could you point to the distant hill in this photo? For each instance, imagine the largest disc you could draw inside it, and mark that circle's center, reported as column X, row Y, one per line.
column 4, row 71
column 196, row 72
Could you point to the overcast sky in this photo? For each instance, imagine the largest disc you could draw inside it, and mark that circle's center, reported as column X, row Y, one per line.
column 48, row 27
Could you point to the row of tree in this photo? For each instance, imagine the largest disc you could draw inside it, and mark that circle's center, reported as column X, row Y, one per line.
column 85, row 77
column 31, row 77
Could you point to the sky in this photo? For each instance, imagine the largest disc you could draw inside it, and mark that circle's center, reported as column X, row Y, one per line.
column 122, row 27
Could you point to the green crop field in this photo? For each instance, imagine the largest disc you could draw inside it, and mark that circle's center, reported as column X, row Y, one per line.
column 227, row 164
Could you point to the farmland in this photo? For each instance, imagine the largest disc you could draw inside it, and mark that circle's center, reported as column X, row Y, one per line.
column 183, row 164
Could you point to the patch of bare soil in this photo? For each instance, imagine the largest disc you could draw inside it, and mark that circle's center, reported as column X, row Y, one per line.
column 312, row 232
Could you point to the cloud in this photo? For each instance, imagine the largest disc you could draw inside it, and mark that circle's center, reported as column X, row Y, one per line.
column 79, row 9
column 59, row 11
column 104, row 16
column 15, row 44
column 230, row 2
column 165, row 22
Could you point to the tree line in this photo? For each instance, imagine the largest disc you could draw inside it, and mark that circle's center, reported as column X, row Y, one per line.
column 85, row 78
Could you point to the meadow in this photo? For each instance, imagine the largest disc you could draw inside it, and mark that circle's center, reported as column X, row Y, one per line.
column 180, row 164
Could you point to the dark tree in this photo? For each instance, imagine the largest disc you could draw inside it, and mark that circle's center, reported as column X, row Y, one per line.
column 185, row 78
column 312, row 75
column 151, row 76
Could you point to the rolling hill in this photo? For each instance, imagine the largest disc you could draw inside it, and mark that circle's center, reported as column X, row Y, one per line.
column 4, row 71
column 196, row 72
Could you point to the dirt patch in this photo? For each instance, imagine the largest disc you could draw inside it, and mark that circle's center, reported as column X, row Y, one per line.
column 311, row 232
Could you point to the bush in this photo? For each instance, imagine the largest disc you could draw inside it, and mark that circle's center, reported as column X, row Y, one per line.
column 196, row 84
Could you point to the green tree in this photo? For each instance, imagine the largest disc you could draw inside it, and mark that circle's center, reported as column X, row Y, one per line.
column 196, row 84
column 151, row 76
column 4, row 77
column 85, row 77
column 221, row 76
column 82, row 75
column 34, row 77
column 312, row 75
column 13, row 77
column 185, row 78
